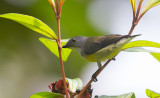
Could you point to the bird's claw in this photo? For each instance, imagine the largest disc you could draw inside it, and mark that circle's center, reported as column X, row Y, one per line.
column 113, row 58
column 94, row 76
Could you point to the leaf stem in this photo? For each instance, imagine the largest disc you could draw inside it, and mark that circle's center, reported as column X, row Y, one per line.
column 138, row 10
column 136, row 17
column 61, row 4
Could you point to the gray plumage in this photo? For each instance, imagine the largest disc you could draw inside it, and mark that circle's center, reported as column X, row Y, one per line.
column 99, row 48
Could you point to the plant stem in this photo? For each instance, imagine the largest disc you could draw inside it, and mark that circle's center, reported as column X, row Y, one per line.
column 89, row 83
column 57, row 10
column 136, row 18
column 132, row 28
column 60, row 56
column 58, row 16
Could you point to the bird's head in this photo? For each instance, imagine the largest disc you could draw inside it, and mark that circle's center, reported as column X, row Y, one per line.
column 75, row 42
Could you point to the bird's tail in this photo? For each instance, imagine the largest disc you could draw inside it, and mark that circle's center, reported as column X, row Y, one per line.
column 130, row 36
column 135, row 35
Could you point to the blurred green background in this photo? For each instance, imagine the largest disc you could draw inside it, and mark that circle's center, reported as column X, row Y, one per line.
column 26, row 65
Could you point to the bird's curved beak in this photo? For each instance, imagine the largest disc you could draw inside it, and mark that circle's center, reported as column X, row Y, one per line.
column 65, row 46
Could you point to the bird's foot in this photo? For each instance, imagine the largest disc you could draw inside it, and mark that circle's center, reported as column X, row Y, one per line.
column 94, row 76
column 113, row 58
column 78, row 91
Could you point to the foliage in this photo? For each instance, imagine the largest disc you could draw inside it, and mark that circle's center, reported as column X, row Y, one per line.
column 32, row 23
column 143, row 43
column 46, row 95
column 134, row 4
column 40, row 27
column 129, row 95
column 75, row 84
column 54, row 45
column 149, row 5
column 156, row 55
column 152, row 94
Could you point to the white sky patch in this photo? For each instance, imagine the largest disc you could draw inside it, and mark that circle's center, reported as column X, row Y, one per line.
column 131, row 72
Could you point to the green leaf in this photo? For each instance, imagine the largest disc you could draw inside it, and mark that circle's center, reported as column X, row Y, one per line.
column 144, row 43
column 32, row 23
column 129, row 95
column 52, row 3
column 149, row 5
column 152, row 94
column 134, row 4
column 47, row 95
column 53, row 47
column 75, row 84
column 156, row 55
column 141, row 43
column 140, row 49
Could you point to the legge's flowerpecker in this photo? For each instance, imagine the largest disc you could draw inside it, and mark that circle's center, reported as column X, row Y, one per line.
column 99, row 48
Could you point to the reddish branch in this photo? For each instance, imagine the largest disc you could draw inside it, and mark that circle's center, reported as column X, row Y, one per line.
column 136, row 19
column 89, row 83
column 57, row 12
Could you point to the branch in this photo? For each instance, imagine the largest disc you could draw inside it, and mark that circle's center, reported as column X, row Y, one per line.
column 57, row 12
column 136, row 17
column 89, row 83
column 138, row 10
column 60, row 56
column 61, row 4
column 135, row 21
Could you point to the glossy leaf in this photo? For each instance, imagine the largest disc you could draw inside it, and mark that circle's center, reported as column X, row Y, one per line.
column 53, row 47
column 149, row 5
column 61, row 3
column 152, row 94
column 47, row 95
column 134, row 4
column 156, row 56
column 75, row 84
column 143, row 43
column 52, row 3
column 140, row 49
column 32, row 23
column 129, row 95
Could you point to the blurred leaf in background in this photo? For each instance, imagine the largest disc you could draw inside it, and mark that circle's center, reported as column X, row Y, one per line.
column 26, row 65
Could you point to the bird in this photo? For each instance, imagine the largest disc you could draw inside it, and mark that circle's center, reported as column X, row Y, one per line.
column 99, row 48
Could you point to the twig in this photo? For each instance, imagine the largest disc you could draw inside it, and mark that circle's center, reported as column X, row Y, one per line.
column 132, row 28
column 138, row 10
column 133, row 11
column 61, row 4
column 135, row 21
column 136, row 17
column 60, row 56
column 58, row 14
column 89, row 83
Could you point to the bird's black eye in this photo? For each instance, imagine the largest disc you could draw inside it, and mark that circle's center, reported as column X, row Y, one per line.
column 73, row 40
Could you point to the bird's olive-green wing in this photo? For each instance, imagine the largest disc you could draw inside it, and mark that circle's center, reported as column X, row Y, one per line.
column 96, row 43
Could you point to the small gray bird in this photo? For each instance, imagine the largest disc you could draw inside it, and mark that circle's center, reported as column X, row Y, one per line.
column 99, row 48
